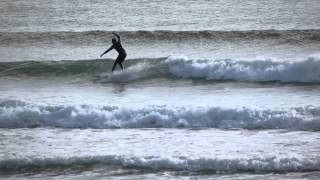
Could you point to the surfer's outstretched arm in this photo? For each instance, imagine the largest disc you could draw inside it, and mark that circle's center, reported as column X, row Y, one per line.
column 116, row 35
column 107, row 51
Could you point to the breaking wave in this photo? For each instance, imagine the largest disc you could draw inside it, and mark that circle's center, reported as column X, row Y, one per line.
column 18, row 114
column 305, row 71
column 258, row 165
column 259, row 70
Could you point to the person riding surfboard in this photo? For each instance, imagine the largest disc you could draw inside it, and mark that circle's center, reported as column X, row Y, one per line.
column 116, row 44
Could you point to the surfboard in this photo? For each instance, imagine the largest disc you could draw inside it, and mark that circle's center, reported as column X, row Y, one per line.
column 103, row 75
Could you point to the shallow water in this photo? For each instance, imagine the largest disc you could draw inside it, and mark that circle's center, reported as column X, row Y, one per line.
column 157, row 152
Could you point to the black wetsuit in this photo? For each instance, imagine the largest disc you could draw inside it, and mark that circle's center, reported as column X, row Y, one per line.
column 116, row 44
column 122, row 54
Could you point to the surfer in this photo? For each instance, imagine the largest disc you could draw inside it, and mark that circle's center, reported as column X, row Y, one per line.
column 116, row 44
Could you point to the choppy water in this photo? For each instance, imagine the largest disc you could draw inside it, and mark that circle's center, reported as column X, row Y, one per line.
column 211, row 90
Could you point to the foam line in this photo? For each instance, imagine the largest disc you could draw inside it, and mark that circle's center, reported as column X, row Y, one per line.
column 17, row 114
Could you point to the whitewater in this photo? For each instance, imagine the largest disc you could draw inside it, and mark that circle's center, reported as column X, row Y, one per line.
column 260, row 70
column 22, row 115
column 210, row 90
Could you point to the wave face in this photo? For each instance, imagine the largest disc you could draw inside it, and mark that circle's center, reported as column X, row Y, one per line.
column 88, row 37
column 266, row 70
column 258, row 165
column 17, row 114
column 306, row 71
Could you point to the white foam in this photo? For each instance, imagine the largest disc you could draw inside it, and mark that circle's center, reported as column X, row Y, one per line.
column 18, row 115
column 307, row 71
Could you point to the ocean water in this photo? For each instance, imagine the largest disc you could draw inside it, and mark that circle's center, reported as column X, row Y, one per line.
column 211, row 90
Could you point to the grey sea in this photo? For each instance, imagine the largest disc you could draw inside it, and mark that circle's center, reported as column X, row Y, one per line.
column 211, row 89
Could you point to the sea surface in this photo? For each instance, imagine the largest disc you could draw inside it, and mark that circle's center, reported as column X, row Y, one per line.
column 220, row 89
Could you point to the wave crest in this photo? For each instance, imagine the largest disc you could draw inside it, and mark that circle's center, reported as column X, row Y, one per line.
column 306, row 71
column 259, row 70
column 258, row 165
column 23, row 115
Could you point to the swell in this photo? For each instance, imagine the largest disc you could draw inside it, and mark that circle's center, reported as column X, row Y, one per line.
column 257, row 70
column 18, row 114
column 201, row 165
column 60, row 68
column 136, row 37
